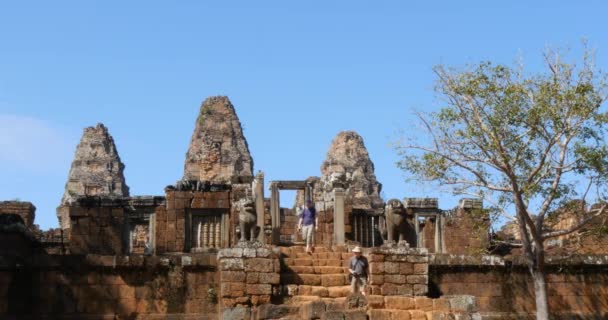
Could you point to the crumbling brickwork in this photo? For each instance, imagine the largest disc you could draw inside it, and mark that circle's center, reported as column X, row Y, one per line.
column 176, row 222
column 576, row 285
column 96, row 287
column 26, row 210
column 249, row 277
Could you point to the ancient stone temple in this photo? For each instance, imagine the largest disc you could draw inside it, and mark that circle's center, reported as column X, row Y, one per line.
column 218, row 151
column 212, row 245
column 347, row 175
column 96, row 170
column 347, row 165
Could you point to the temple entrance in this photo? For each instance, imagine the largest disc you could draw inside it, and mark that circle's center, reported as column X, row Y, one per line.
column 284, row 221
column 365, row 228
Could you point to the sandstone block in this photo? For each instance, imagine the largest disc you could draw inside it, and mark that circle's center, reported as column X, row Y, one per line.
column 421, row 268
column 259, row 265
column 376, row 279
column 399, row 303
column 424, row 303
column 355, row 315
column 376, row 268
column 260, row 299
column 395, row 278
column 259, row 289
column 312, row 310
column 331, row 280
column 391, row 267
column 269, row 278
column 271, row 311
column 378, row 314
column 233, row 276
column 420, row 289
column 441, row 304
column 319, row 291
column 232, row 264
column 417, row 279
column 417, row 259
column 253, row 277
column 406, row 268
column 236, row 313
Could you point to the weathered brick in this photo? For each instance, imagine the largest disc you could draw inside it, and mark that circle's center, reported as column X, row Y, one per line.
column 416, row 279
column 312, row 310
column 400, row 303
column 253, row 277
column 259, row 265
column 231, row 264
column 395, row 278
column 391, row 267
column 376, row 268
column 331, row 280
column 379, row 314
column 269, row 278
column 421, row 268
column 441, row 304
column 406, row 268
column 376, row 279
column 420, row 289
column 233, row 276
column 260, row 299
column 259, row 289
column 424, row 303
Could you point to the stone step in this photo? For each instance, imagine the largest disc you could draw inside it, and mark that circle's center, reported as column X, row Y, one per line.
column 320, row 291
column 317, row 269
column 306, row 262
column 326, row 280
column 293, row 250
column 304, row 293
column 323, row 255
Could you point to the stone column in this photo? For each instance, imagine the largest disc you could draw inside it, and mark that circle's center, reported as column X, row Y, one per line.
column 275, row 212
column 438, row 242
column 258, row 194
column 338, row 216
column 417, row 229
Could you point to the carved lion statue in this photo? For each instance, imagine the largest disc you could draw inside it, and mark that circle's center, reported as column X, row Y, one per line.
column 396, row 220
column 248, row 220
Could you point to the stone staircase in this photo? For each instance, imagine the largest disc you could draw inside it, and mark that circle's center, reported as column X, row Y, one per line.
column 324, row 274
column 372, row 307
column 316, row 287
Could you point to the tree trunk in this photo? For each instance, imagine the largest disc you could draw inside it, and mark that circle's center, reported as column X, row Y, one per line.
column 540, row 291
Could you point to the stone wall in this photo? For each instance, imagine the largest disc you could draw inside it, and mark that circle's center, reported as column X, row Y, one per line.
column 109, row 287
column 577, row 285
column 249, row 276
column 97, row 226
column 398, row 270
column 26, row 210
column 174, row 222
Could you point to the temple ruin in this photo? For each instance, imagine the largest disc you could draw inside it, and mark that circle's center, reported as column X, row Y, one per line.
column 217, row 244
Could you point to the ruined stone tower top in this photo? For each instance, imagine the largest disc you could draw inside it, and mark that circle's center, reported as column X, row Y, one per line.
column 96, row 169
column 218, row 150
column 348, row 165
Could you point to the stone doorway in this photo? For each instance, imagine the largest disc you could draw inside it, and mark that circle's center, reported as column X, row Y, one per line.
column 279, row 220
column 365, row 228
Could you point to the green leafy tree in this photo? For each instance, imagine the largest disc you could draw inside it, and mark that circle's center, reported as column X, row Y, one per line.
column 523, row 143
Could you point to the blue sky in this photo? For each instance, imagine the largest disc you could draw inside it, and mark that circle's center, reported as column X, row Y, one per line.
column 297, row 73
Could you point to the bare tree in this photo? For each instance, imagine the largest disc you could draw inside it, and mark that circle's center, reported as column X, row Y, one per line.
column 523, row 143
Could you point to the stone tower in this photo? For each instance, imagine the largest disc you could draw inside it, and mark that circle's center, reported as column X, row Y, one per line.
column 347, row 165
column 218, row 151
column 96, row 170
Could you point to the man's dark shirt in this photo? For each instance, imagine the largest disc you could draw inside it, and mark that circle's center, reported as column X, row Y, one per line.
column 359, row 266
column 308, row 216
